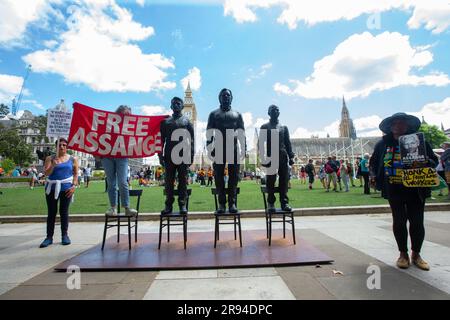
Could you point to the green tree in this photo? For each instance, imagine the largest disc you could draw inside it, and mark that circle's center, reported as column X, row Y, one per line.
column 433, row 135
column 14, row 147
column 41, row 123
column 7, row 165
column 4, row 109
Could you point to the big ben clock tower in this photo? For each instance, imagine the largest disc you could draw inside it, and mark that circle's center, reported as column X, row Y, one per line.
column 189, row 109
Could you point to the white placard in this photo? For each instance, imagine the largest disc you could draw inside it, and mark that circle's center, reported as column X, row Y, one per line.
column 58, row 123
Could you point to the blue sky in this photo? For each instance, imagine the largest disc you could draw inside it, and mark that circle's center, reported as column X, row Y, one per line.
column 302, row 57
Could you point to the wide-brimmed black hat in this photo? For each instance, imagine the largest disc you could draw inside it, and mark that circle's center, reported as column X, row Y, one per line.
column 412, row 121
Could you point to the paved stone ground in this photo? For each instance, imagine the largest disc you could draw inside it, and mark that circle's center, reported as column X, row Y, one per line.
column 354, row 242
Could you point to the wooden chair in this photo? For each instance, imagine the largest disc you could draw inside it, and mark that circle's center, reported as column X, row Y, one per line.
column 174, row 219
column 225, row 218
column 278, row 216
column 112, row 221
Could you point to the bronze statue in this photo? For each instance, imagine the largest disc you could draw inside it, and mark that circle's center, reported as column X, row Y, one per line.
column 285, row 159
column 219, row 121
column 176, row 163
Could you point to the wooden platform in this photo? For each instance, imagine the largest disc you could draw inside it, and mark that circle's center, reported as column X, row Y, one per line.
column 200, row 252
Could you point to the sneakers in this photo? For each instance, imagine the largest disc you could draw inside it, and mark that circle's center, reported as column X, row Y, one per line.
column 46, row 243
column 130, row 212
column 421, row 264
column 65, row 240
column 111, row 211
column 403, row 263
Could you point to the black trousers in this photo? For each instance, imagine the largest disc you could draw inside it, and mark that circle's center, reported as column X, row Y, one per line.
column 52, row 207
column 181, row 170
column 219, row 173
column 283, row 182
column 408, row 207
column 365, row 176
column 210, row 179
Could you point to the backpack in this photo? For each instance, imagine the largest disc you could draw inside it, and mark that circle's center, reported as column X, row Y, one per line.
column 328, row 168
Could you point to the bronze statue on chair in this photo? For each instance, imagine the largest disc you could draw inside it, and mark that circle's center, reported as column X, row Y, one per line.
column 226, row 123
column 284, row 155
column 177, row 138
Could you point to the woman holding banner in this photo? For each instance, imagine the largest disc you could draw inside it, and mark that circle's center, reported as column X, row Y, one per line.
column 407, row 203
column 62, row 172
column 116, row 170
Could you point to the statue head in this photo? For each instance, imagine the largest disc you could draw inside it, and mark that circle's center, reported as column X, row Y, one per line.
column 225, row 98
column 124, row 110
column 274, row 112
column 176, row 104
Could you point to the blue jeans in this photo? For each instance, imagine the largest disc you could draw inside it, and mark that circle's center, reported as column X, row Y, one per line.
column 116, row 170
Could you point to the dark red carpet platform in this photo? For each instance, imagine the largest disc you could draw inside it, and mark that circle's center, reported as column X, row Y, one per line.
column 200, row 252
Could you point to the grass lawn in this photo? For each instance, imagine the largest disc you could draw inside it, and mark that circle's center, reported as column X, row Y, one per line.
column 23, row 201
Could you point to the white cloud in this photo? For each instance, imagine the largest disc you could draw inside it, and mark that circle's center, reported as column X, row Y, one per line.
column 365, row 127
column 365, row 123
column 248, row 119
column 32, row 103
column 140, row 2
column 364, row 63
column 17, row 15
column 154, row 110
column 436, row 113
column 50, row 43
column 97, row 51
column 434, row 14
column 9, row 87
column 195, row 79
column 262, row 70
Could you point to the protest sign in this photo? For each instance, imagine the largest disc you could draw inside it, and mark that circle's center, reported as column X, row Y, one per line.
column 58, row 123
column 108, row 134
column 413, row 151
column 420, row 177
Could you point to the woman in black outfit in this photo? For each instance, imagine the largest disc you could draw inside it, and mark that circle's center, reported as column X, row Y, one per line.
column 407, row 204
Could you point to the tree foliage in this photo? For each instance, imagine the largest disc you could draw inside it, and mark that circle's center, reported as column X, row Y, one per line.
column 14, row 147
column 4, row 109
column 433, row 135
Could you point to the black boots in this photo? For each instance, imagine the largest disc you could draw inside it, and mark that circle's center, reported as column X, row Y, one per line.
column 232, row 208
column 167, row 210
column 271, row 207
column 221, row 208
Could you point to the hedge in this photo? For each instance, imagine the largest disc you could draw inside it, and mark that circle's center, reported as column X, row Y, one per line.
column 14, row 179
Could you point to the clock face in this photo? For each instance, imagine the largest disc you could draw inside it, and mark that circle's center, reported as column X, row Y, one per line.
column 188, row 114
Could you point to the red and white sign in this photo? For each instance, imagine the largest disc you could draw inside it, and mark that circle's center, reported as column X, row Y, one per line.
column 108, row 134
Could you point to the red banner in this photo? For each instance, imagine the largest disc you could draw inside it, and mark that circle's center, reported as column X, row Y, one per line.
column 108, row 134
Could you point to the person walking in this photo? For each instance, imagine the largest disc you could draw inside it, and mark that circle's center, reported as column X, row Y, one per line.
column 345, row 175
column 364, row 164
column 407, row 203
column 62, row 170
column 311, row 171
column 331, row 169
column 210, row 177
column 87, row 175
